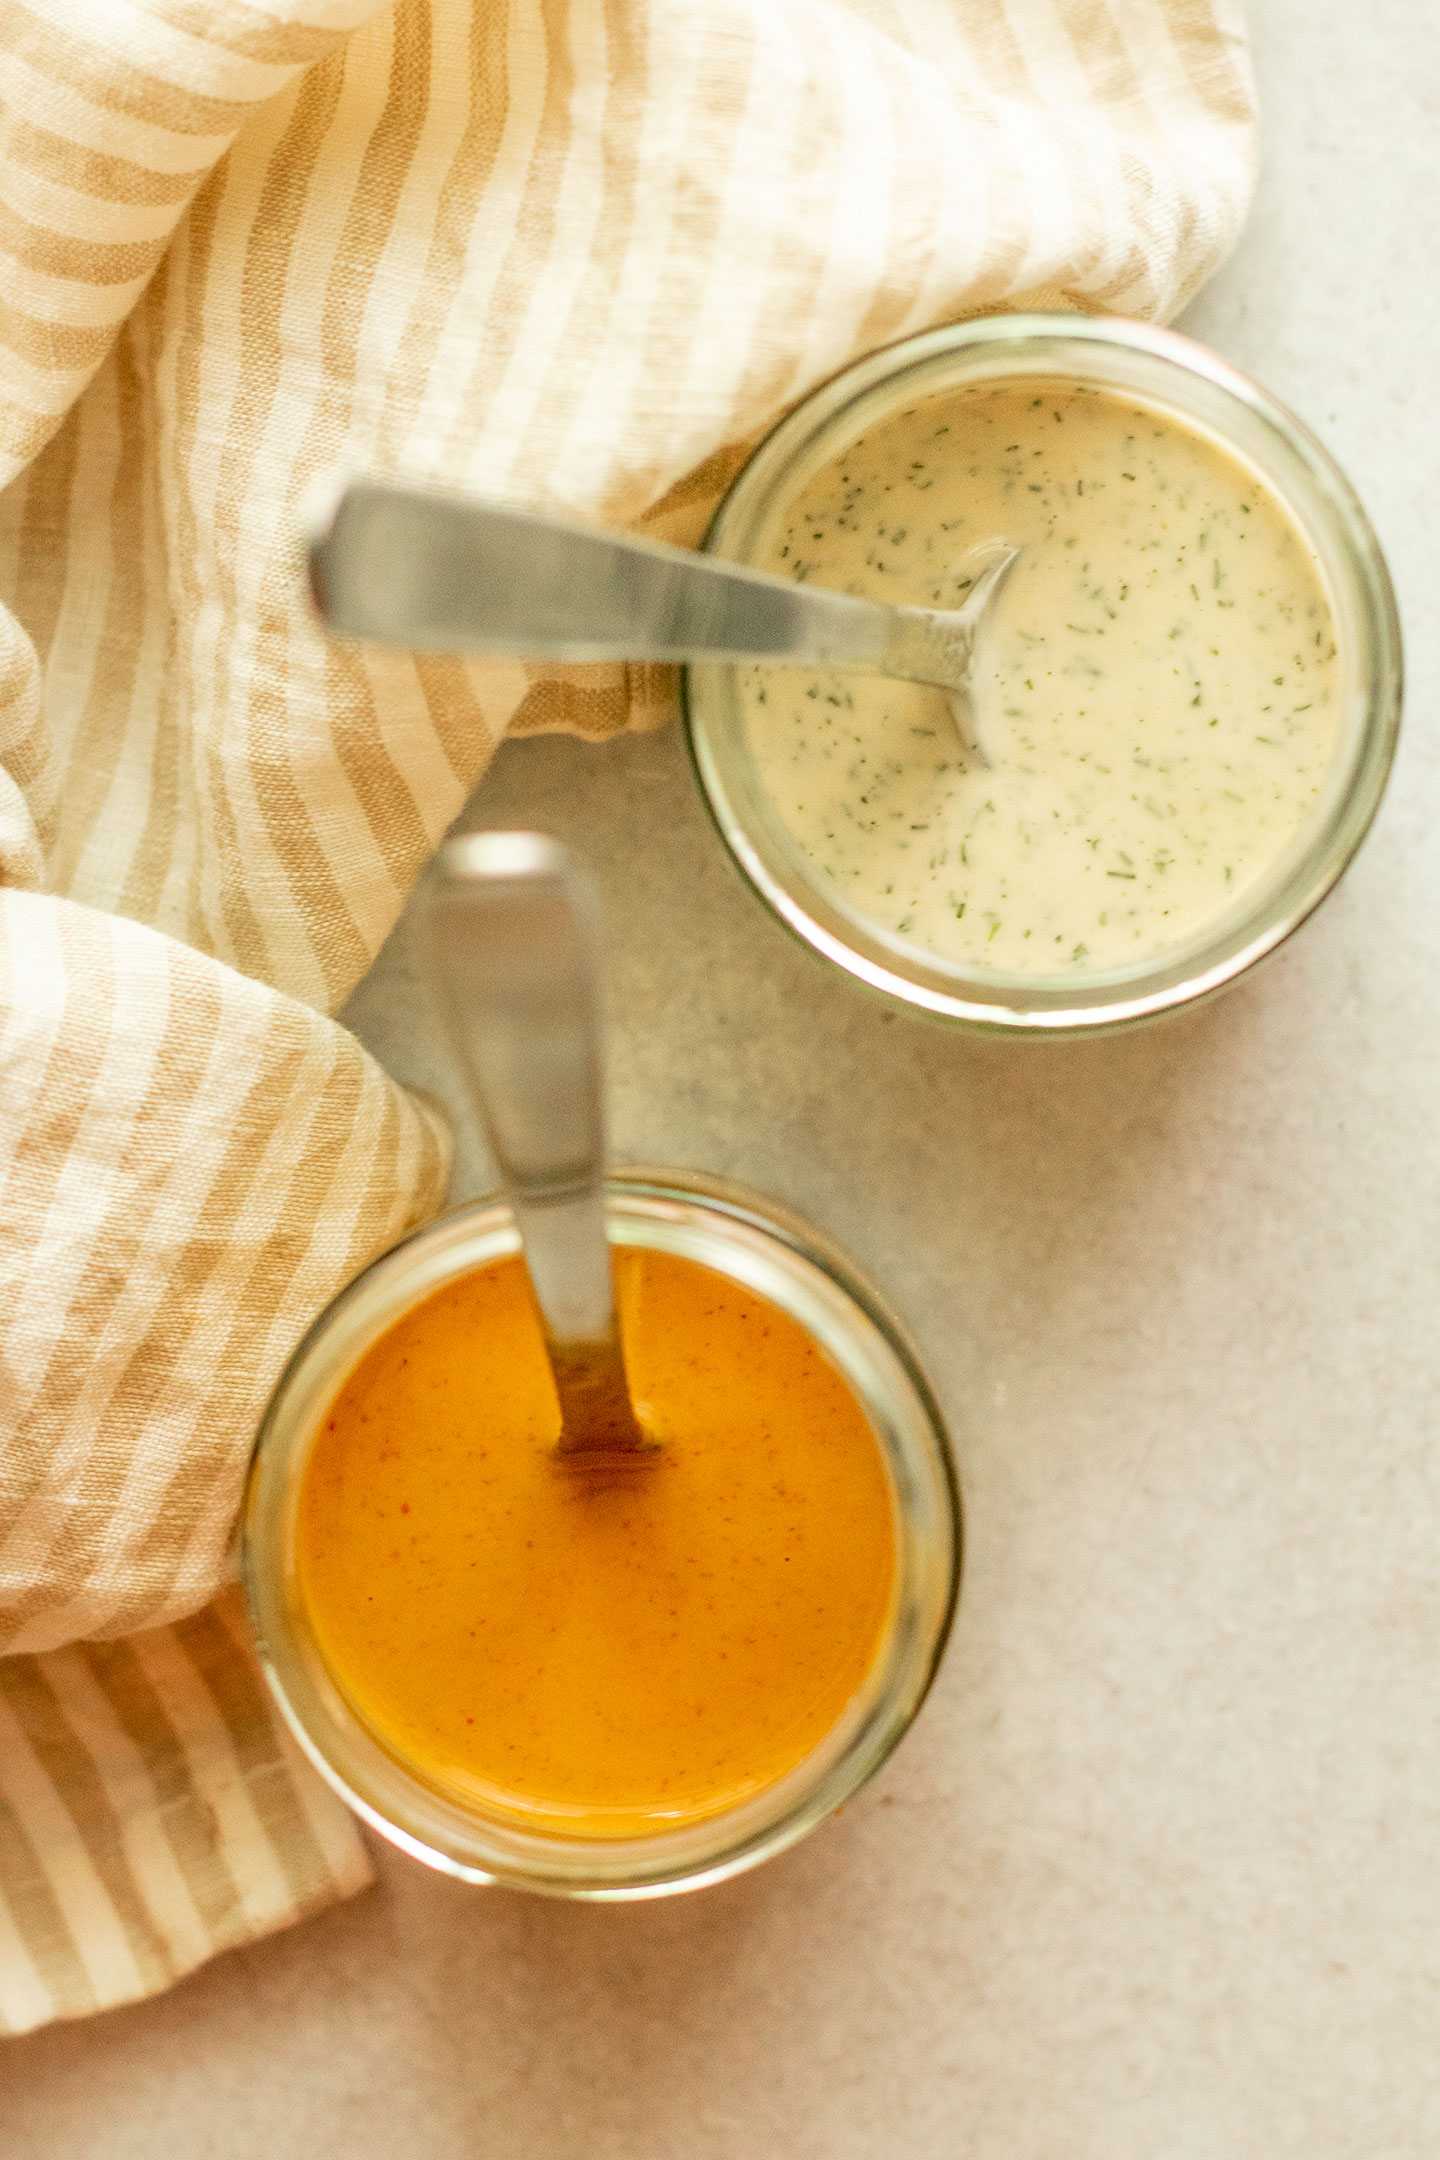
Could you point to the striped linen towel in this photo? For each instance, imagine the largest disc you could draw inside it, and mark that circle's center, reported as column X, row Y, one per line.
column 574, row 252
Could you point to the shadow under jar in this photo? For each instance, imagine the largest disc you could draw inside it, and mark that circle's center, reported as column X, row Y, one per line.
column 777, row 1266
column 1166, row 510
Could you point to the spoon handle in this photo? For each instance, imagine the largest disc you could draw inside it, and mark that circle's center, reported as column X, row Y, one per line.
column 511, row 938
column 452, row 573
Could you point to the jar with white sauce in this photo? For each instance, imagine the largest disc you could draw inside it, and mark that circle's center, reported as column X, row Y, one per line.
column 1186, row 695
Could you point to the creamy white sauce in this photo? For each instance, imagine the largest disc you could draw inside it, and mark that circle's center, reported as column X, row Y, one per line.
column 1157, row 690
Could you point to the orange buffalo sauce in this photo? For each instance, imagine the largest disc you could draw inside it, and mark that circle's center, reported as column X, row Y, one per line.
column 598, row 1662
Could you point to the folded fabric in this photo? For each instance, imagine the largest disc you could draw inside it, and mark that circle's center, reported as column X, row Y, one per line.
column 573, row 254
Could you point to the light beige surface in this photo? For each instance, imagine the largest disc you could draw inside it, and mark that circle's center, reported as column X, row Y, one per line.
column 1156, row 1875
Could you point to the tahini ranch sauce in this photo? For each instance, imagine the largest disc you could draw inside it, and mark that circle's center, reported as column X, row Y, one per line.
column 1157, row 692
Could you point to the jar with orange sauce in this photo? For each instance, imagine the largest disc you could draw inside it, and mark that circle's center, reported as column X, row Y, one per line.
column 605, row 1693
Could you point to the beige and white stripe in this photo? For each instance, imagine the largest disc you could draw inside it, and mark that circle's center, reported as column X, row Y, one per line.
column 579, row 252
column 151, row 1813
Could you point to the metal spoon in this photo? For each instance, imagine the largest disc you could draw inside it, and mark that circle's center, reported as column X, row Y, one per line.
column 446, row 572
column 510, row 934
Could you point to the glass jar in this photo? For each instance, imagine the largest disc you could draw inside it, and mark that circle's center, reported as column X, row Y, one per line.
column 772, row 1255
column 1181, row 382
